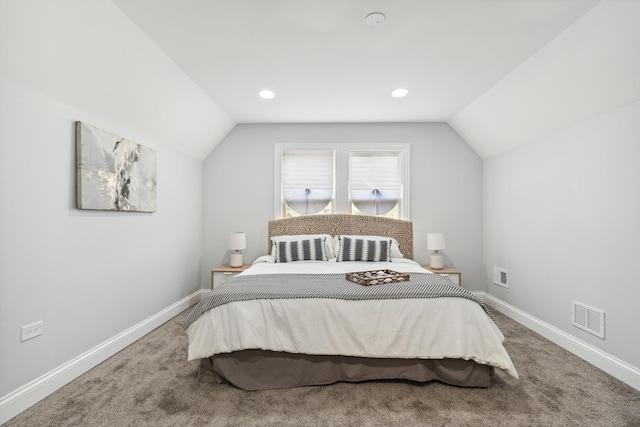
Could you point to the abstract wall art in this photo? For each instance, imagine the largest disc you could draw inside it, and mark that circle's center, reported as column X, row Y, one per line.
column 113, row 173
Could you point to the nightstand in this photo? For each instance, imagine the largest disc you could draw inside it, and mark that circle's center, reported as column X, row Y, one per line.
column 223, row 273
column 450, row 273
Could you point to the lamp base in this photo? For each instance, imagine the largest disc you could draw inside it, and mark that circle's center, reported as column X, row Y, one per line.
column 435, row 262
column 236, row 260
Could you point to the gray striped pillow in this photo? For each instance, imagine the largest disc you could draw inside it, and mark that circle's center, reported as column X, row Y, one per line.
column 370, row 250
column 301, row 250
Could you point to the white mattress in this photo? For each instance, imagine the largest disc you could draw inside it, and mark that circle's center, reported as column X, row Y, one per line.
column 431, row 328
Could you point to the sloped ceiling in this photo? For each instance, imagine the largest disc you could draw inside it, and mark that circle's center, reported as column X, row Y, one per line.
column 89, row 55
column 591, row 68
column 501, row 73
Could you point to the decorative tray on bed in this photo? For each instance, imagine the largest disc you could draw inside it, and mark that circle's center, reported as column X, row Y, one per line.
column 377, row 277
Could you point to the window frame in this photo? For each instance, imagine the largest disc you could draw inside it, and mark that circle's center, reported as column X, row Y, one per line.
column 341, row 202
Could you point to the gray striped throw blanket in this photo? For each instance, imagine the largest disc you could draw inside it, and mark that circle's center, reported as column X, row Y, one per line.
column 328, row 286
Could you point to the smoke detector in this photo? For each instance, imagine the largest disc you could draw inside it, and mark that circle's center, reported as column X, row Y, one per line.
column 375, row 18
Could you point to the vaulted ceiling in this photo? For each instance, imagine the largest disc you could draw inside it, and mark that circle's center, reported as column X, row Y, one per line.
column 500, row 72
column 325, row 64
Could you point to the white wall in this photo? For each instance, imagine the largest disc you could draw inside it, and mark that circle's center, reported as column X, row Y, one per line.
column 446, row 188
column 563, row 216
column 89, row 275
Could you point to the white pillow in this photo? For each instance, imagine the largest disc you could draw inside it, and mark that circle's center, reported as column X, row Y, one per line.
column 328, row 243
column 394, row 252
column 265, row 258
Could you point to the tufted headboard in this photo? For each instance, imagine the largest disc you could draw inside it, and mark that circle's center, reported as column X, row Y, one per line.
column 334, row 224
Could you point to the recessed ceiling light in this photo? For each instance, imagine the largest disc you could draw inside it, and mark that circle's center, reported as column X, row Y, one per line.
column 375, row 18
column 266, row 94
column 399, row 93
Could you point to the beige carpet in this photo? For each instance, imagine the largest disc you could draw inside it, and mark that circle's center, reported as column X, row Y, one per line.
column 150, row 383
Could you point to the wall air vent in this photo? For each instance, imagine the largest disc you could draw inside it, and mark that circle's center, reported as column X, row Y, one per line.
column 500, row 277
column 588, row 318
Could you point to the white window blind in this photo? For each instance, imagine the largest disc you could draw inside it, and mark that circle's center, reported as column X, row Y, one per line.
column 307, row 179
column 375, row 181
column 354, row 178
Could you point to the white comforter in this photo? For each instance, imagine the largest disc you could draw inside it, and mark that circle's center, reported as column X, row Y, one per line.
column 432, row 328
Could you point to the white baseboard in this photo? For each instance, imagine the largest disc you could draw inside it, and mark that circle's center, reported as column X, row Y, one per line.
column 31, row 393
column 28, row 395
column 613, row 366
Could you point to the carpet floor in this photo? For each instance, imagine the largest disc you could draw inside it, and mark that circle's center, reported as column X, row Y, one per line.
column 150, row 383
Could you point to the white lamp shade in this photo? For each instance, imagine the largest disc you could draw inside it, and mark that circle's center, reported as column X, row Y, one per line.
column 435, row 241
column 237, row 241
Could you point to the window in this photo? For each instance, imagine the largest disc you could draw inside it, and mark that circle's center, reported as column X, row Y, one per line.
column 307, row 179
column 362, row 179
column 375, row 182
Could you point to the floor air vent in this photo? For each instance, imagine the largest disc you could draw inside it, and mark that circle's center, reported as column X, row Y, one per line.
column 500, row 277
column 589, row 319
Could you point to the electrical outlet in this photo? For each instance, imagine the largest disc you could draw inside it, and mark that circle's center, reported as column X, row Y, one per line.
column 31, row 331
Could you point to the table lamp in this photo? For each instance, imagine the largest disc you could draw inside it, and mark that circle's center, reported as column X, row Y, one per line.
column 435, row 242
column 237, row 242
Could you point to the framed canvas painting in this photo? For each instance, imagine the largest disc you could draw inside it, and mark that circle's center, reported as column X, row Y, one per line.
column 113, row 173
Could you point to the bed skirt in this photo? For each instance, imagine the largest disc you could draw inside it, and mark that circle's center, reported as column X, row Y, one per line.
column 263, row 370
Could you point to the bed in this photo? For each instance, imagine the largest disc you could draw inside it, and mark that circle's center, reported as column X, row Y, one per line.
column 293, row 319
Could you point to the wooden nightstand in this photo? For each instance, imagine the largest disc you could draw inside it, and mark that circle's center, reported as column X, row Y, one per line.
column 223, row 273
column 451, row 273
